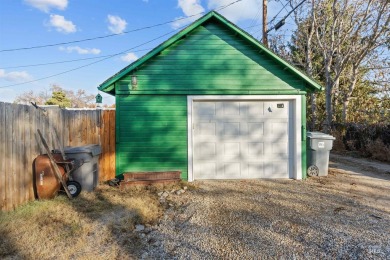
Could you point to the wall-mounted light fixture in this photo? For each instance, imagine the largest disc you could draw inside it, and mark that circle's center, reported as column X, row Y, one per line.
column 134, row 81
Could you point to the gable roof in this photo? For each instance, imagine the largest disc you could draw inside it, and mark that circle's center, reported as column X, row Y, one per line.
column 108, row 85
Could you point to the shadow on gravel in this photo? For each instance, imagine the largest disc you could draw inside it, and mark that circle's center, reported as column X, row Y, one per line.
column 290, row 218
column 361, row 166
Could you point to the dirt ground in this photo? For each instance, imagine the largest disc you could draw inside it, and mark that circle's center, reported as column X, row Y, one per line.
column 345, row 215
column 370, row 180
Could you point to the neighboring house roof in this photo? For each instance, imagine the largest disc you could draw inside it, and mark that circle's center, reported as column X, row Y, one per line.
column 109, row 87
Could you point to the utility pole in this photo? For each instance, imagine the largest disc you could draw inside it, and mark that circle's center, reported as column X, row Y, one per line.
column 265, row 32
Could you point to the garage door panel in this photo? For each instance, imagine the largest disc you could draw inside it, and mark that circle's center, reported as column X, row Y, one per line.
column 205, row 150
column 275, row 169
column 207, row 128
column 255, row 129
column 231, row 108
column 234, row 140
column 255, row 170
column 253, row 110
column 279, row 129
column 230, row 171
column 205, row 109
column 231, row 150
column 255, row 150
column 206, row 170
column 231, row 129
column 279, row 148
column 280, row 169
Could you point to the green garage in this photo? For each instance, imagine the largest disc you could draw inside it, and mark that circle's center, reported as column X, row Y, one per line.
column 213, row 103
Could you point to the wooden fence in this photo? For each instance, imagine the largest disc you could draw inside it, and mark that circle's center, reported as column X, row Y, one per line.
column 20, row 143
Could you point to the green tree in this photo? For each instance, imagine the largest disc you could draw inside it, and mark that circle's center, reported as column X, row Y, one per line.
column 78, row 99
column 59, row 98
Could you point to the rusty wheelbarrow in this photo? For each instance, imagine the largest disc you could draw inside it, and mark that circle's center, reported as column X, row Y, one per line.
column 51, row 171
column 46, row 182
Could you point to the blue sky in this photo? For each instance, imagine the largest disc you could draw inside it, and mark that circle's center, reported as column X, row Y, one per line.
column 30, row 23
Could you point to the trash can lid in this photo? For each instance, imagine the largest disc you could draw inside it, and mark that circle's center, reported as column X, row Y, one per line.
column 319, row 135
column 94, row 149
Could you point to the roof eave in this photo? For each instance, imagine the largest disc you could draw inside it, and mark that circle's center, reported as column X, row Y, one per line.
column 108, row 85
column 316, row 86
column 154, row 52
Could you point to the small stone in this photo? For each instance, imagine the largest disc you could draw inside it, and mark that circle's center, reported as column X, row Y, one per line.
column 148, row 230
column 151, row 240
column 170, row 205
column 178, row 192
column 182, row 191
column 165, row 194
column 160, row 193
column 139, row 228
column 172, row 191
column 185, row 187
column 144, row 255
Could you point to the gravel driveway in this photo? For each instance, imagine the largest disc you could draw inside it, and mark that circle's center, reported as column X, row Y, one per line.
column 344, row 215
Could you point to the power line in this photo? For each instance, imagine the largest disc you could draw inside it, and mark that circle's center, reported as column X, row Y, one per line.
column 224, row 6
column 83, row 59
column 114, row 34
column 96, row 38
column 281, row 22
column 257, row 16
column 76, row 60
column 65, row 61
column 109, row 56
column 89, row 64
column 284, row 6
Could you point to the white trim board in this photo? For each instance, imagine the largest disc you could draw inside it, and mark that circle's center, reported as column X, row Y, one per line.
column 296, row 101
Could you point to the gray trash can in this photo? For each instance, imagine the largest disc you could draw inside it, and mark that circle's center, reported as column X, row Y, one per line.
column 88, row 174
column 318, row 147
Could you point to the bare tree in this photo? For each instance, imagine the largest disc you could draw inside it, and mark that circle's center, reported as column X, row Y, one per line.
column 347, row 33
column 305, row 34
column 78, row 99
column 30, row 96
column 350, row 38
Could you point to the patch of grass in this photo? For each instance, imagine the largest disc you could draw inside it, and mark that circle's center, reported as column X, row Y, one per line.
column 96, row 225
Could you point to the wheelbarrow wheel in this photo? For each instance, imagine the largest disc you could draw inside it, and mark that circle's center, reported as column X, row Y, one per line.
column 74, row 188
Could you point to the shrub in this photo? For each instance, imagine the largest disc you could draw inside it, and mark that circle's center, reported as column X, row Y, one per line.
column 369, row 140
column 379, row 150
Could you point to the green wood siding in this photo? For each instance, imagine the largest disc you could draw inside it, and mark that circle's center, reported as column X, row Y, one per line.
column 152, row 119
column 210, row 60
column 151, row 133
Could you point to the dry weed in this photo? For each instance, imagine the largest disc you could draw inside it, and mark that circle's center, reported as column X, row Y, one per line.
column 379, row 150
column 338, row 144
column 95, row 225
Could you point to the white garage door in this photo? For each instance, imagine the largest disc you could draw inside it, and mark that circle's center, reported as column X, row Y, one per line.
column 241, row 139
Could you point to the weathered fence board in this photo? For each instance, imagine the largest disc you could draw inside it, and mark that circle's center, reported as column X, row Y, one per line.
column 9, row 112
column 20, row 144
column 2, row 156
column 112, row 142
